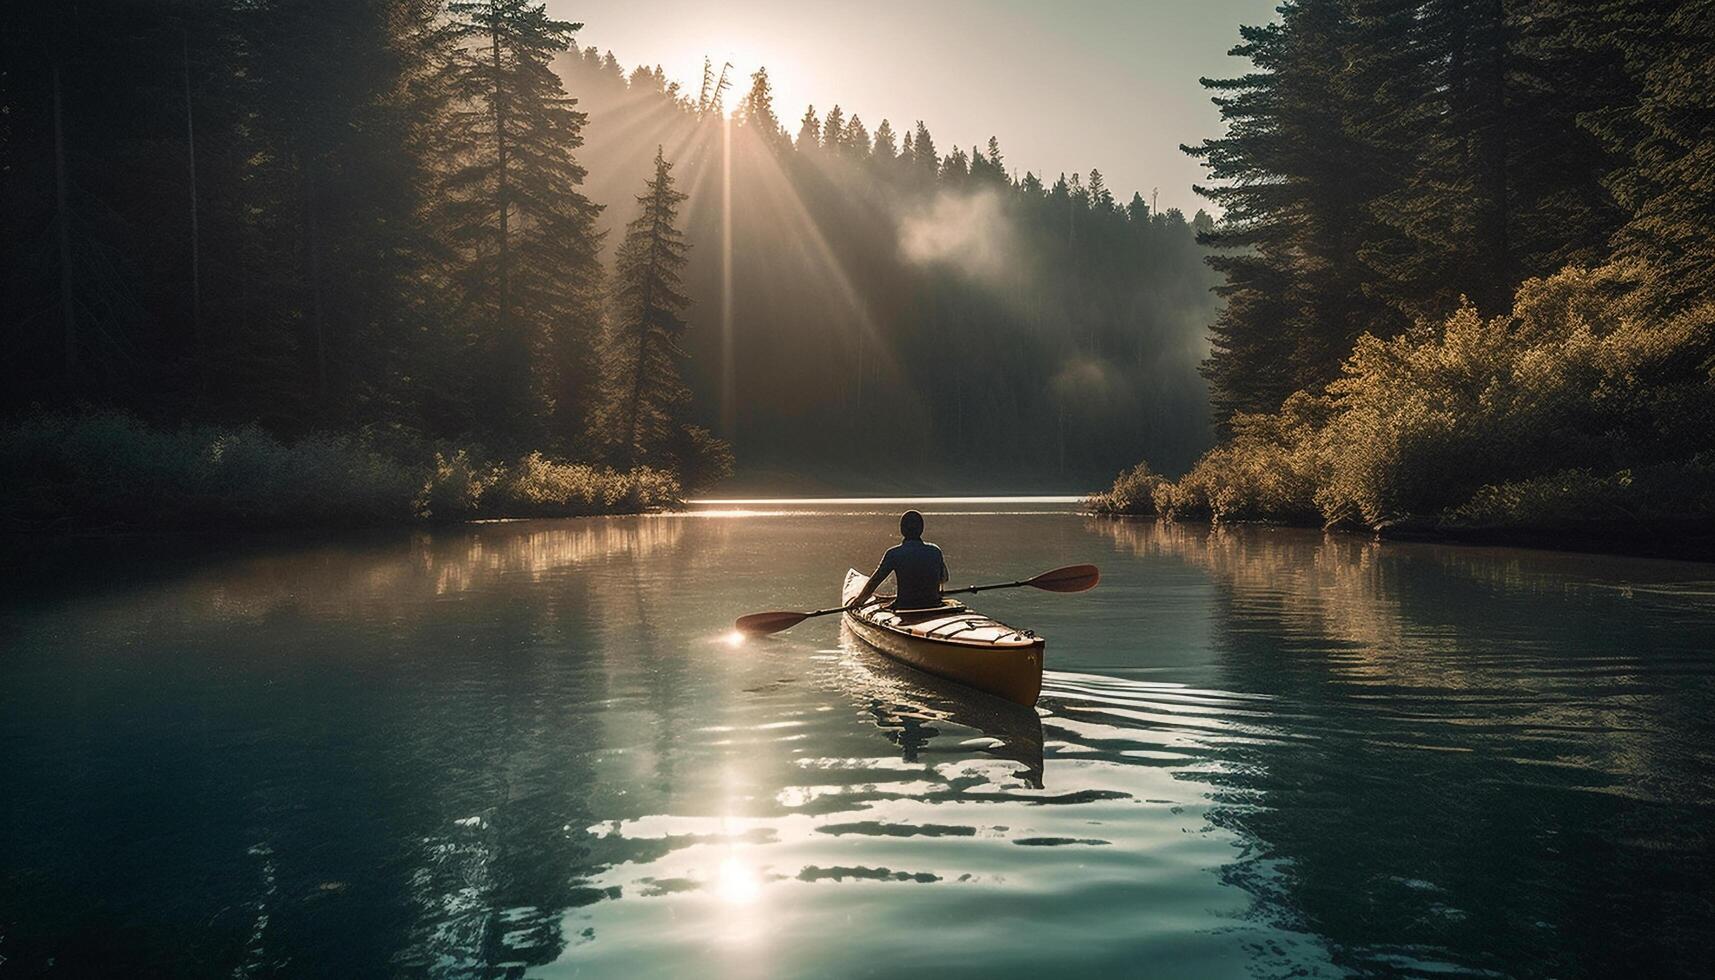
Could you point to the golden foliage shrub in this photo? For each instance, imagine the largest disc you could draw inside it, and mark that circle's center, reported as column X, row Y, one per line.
column 1514, row 417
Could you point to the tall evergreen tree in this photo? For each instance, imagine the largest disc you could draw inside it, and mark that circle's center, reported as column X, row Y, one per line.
column 856, row 139
column 523, row 234
column 1665, row 139
column 1137, row 210
column 955, row 167
column 1101, row 199
column 809, row 131
column 756, row 112
column 340, row 153
column 995, row 163
column 834, row 130
column 923, row 157
column 1475, row 106
column 647, row 392
column 1296, row 187
column 885, row 147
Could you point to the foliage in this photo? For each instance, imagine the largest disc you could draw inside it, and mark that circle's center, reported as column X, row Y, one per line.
column 1666, row 177
column 647, row 398
column 1631, row 499
column 700, row 457
column 1268, row 470
column 535, row 485
column 308, row 216
column 518, row 234
column 1386, row 158
column 329, row 215
column 1294, row 182
column 984, row 319
column 105, row 470
column 1133, row 492
column 1511, row 417
column 1395, row 169
column 456, row 487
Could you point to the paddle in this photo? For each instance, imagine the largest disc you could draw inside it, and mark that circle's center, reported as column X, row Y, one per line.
column 1072, row 578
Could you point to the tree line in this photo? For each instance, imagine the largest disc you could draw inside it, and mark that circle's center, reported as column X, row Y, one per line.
column 1467, row 264
column 907, row 314
column 382, row 217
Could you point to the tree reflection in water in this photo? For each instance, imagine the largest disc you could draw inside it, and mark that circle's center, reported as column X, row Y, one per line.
column 1488, row 768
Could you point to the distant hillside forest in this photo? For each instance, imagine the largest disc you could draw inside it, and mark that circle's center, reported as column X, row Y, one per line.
column 907, row 315
column 1467, row 257
column 378, row 221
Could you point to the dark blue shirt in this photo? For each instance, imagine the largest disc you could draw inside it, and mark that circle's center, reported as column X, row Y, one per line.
column 919, row 569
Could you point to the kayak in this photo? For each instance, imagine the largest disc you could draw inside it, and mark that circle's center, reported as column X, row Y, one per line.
column 953, row 642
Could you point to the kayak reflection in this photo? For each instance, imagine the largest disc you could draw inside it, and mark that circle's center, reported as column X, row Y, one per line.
column 923, row 714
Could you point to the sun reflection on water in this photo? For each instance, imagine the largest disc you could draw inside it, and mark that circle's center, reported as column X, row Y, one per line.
column 738, row 883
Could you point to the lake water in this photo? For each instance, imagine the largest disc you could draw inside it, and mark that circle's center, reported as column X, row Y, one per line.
column 533, row 748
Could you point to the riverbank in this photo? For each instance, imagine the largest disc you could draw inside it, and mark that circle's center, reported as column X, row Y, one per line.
column 1683, row 540
column 1581, row 419
column 108, row 473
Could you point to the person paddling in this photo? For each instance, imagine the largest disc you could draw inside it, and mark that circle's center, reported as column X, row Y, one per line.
column 916, row 565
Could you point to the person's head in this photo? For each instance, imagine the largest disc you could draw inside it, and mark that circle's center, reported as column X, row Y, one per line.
column 911, row 524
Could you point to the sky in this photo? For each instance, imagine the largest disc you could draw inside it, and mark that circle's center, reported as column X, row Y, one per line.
column 1066, row 86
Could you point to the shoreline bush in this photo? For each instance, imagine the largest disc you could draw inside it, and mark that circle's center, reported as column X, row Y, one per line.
column 1583, row 407
column 1133, row 492
column 111, row 471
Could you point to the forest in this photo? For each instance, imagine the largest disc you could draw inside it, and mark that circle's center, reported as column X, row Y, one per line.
column 905, row 316
column 1467, row 266
column 299, row 261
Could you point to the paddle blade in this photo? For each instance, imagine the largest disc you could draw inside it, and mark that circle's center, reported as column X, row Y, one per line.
column 764, row 623
column 1072, row 578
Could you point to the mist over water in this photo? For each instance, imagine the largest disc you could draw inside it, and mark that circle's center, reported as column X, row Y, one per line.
column 533, row 747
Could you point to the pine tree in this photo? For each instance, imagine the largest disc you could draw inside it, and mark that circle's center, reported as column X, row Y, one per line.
column 1137, row 211
column 834, row 130
column 809, row 131
column 647, row 396
column 923, row 157
column 339, row 151
column 1475, row 106
column 1449, row 215
column 981, row 172
column 994, row 165
column 884, row 149
column 524, row 235
column 1297, row 187
column 956, row 167
column 1101, row 199
column 856, row 139
column 756, row 112
column 1666, row 137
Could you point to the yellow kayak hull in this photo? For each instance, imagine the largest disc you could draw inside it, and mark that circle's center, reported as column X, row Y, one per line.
column 952, row 642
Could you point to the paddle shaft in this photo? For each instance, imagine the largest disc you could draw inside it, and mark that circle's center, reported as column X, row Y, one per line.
column 1072, row 578
column 969, row 588
column 985, row 588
